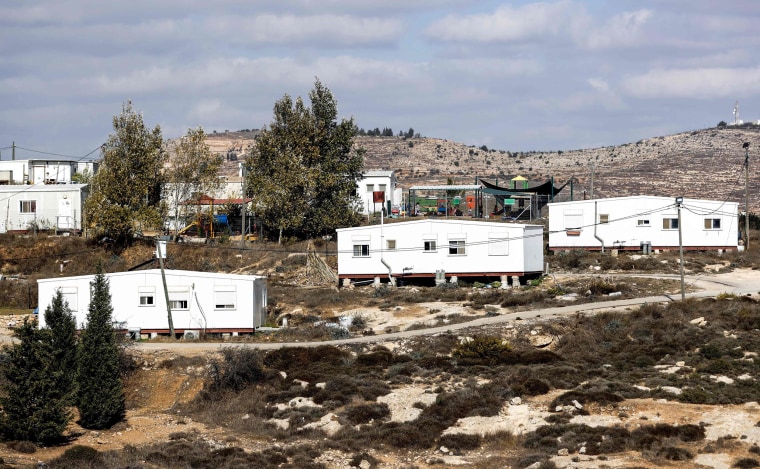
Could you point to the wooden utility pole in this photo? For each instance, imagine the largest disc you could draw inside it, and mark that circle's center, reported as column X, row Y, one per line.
column 161, row 253
column 679, row 201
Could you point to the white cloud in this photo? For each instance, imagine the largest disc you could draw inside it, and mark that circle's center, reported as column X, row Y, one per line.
column 697, row 83
column 624, row 29
column 505, row 24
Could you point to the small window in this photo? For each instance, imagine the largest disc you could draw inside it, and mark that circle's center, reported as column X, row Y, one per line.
column 390, row 244
column 178, row 304
column 381, row 188
column 456, row 247
column 147, row 296
column 224, row 297
column 604, row 218
column 430, row 246
column 712, row 223
column 27, row 206
column 642, row 222
column 361, row 250
column 370, row 188
column 670, row 223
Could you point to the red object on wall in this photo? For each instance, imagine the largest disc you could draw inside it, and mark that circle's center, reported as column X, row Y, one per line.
column 471, row 202
column 378, row 197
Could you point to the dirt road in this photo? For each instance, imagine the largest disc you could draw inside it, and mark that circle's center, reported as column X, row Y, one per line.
column 738, row 282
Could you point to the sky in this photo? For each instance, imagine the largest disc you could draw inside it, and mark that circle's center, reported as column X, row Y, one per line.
column 516, row 76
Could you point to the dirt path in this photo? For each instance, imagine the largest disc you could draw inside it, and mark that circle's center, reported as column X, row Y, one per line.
column 739, row 282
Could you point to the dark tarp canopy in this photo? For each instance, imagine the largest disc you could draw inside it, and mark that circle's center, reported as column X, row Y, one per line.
column 546, row 188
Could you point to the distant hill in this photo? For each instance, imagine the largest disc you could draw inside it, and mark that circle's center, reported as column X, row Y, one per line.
column 704, row 163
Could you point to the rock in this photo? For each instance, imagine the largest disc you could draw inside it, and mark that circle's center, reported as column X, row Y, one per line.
column 616, row 293
column 563, row 452
column 284, row 375
column 245, row 417
column 443, row 450
column 320, row 385
column 722, row 379
column 577, row 404
column 582, row 450
column 365, row 464
column 672, row 390
column 558, row 408
column 298, row 402
column 535, row 465
column 515, row 401
column 540, row 341
column 680, row 364
column 697, row 320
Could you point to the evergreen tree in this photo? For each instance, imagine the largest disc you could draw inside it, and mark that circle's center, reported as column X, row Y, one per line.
column 63, row 342
column 34, row 406
column 101, row 395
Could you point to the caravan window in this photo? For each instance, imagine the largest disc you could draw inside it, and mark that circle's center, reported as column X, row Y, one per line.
column 147, row 296
column 670, row 223
column 456, row 247
column 179, row 298
column 712, row 223
column 361, row 250
column 224, row 297
column 27, row 206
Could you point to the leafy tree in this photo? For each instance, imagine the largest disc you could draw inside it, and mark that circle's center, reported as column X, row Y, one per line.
column 126, row 191
column 63, row 342
column 101, row 394
column 193, row 170
column 84, row 177
column 304, row 167
column 409, row 133
column 722, row 124
column 34, row 405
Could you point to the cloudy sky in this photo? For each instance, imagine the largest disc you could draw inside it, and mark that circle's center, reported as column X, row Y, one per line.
column 513, row 75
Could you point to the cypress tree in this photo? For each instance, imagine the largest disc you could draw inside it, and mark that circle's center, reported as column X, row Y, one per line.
column 34, row 406
column 62, row 325
column 101, row 394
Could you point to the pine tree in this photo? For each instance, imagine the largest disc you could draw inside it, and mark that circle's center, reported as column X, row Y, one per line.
column 101, row 394
column 63, row 342
column 34, row 407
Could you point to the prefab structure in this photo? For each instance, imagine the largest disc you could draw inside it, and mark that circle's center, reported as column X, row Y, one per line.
column 200, row 301
column 42, row 206
column 447, row 247
column 45, row 171
column 643, row 223
column 370, row 185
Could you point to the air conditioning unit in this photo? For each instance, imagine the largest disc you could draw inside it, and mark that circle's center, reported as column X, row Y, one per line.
column 191, row 335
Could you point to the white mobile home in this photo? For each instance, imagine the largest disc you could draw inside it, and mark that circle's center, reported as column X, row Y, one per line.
column 642, row 223
column 376, row 181
column 42, row 206
column 200, row 301
column 34, row 171
column 421, row 248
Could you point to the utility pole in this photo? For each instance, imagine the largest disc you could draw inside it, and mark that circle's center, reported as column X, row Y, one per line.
column 746, row 196
column 242, row 228
column 13, row 151
column 161, row 253
column 592, row 179
column 679, row 201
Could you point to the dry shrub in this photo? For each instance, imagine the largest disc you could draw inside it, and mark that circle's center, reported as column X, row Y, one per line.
column 294, row 359
column 239, row 368
column 458, row 442
column 746, row 463
column 76, row 457
column 482, row 348
column 26, row 447
column 364, row 413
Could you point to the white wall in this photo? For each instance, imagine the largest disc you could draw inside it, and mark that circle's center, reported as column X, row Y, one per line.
column 491, row 248
column 56, row 206
column 633, row 220
column 201, row 290
column 365, row 195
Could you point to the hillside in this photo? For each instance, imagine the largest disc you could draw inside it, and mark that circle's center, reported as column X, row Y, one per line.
column 704, row 163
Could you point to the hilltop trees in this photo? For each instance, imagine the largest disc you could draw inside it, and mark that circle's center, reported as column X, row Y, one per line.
column 101, row 395
column 194, row 169
column 126, row 191
column 304, row 167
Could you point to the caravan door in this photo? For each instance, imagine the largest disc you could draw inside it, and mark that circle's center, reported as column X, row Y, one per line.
column 65, row 218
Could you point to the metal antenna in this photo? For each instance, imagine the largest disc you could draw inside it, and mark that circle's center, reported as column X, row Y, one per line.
column 736, row 113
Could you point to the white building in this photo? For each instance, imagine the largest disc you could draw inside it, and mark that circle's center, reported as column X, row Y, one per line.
column 377, row 181
column 459, row 248
column 42, row 206
column 641, row 223
column 34, row 171
column 200, row 301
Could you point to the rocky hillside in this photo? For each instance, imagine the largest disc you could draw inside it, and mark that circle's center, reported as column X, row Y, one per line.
column 704, row 163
